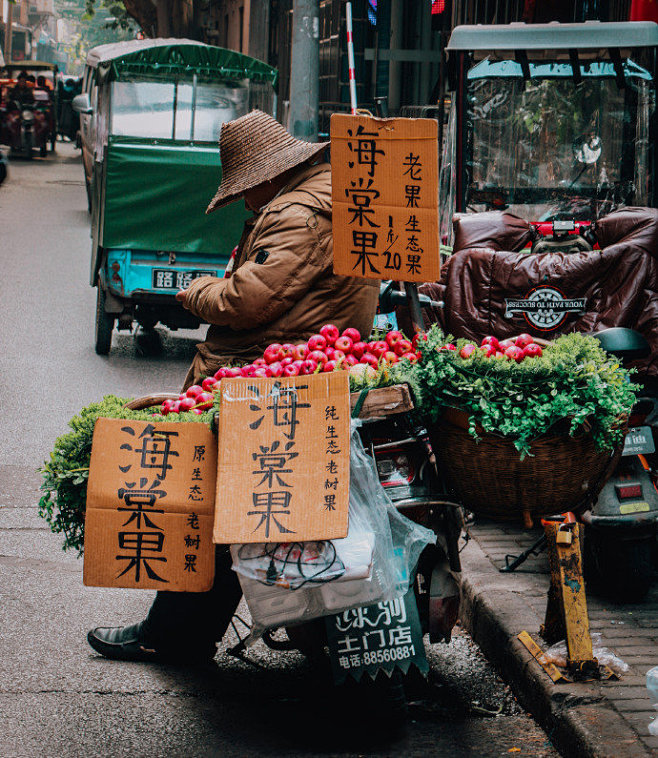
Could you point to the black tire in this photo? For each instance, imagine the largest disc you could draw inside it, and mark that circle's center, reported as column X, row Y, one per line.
column 29, row 144
column 104, row 324
column 618, row 569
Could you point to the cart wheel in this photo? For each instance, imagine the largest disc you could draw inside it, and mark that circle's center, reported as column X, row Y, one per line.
column 104, row 324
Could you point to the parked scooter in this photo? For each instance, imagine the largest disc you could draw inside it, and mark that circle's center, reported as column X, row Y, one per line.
column 621, row 527
column 27, row 125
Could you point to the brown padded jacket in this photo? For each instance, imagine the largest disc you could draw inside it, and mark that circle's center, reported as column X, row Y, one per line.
column 283, row 288
column 616, row 285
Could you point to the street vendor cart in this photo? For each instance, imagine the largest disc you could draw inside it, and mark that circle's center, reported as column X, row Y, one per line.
column 551, row 121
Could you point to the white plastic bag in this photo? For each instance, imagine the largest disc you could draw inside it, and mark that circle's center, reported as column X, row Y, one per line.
column 382, row 544
column 652, row 686
column 557, row 654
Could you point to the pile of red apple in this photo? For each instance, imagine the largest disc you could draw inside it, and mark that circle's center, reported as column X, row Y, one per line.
column 517, row 349
column 327, row 351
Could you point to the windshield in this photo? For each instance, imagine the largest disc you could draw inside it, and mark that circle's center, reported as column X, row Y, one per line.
column 554, row 145
column 169, row 110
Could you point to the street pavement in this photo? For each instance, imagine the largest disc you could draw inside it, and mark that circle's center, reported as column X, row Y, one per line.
column 60, row 700
column 594, row 719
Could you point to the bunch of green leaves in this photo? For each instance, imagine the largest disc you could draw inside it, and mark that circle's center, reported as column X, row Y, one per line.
column 575, row 386
column 66, row 473
column 386, row 375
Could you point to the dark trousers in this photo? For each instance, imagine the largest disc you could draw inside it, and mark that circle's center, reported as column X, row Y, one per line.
column 199, row 619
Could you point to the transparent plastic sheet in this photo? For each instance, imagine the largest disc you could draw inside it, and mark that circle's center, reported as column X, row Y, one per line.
column 396, row 544
column 557, row 654
column 652, row 686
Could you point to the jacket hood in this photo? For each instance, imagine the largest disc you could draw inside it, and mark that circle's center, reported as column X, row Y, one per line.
column 310, row 187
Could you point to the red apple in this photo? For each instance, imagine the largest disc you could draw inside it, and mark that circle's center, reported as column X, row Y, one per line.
column 329, row 352
column 291, row 369
column 402, row 346
column 523, row 340
column 468, row 350
column 330, row 333
column 370, row 359
column 298, row 365
column 198, row 411
column 166, row 407
column 221, row 373
column 194, row 390
column 350, row 360
column 344, row 344
column 411, row 357
column 233, row 371
column 419, row 336
column 262, row 372
column 317, row 342
column 393, row 337
column 247, row 370
column 287, row 361
column 358, row 349
column 379, row 348
column 259, row 362
column 501, row 356
column 276, row 368
column 289, row 351
column 329, row 366
column 175, row 408
column 390, row 357
column 273, row 353
column 489, row 350
column 502, row 346
column 515, row 353
column 309, row 366
column 490, row 340
column 353, row 334
column 301, row 351
column 447, row 347
column 532, row 350
column 186, row 404
column 209, row 383
column 318, row 356
column 204, row 400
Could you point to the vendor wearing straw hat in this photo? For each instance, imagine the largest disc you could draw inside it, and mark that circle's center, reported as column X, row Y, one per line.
column 282, row 289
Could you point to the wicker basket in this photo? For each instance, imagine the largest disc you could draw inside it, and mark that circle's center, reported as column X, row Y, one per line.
column 562, row 474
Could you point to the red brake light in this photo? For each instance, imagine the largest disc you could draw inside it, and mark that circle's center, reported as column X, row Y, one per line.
column 628, row 491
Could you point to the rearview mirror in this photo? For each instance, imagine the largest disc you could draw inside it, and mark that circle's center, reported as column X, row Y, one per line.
column 81, row 104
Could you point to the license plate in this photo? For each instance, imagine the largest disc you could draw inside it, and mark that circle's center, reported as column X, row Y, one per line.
column 168, row 279
column 639, row 441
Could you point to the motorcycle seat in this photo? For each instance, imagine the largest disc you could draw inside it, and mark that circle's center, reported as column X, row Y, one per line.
column 623, row 343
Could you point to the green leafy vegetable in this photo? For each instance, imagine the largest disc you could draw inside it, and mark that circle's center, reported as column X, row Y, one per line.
column 574, row 385
column 65, row 474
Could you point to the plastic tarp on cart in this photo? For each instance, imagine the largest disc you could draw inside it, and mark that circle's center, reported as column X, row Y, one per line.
column 156, row 198
column 171, row 58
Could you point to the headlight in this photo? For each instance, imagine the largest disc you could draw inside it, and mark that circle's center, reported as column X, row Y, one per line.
column 27, row 116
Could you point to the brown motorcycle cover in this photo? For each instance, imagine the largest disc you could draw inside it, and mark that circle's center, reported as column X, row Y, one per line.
column 490, row 286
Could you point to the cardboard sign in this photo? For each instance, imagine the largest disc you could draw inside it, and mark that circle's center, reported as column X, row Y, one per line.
column 283, row 465
column 385, row 197
column 150, row 503
column 384, row 636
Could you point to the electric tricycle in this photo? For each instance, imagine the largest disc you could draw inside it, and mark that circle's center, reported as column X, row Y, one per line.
column 550, row 121
column 151, row 114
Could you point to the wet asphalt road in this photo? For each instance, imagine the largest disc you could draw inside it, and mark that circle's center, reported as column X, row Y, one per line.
column 58, row 699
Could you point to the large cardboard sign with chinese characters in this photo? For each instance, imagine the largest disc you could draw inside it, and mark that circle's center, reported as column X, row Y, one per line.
column 283, row 464
column 385, row 197
column 150, row 503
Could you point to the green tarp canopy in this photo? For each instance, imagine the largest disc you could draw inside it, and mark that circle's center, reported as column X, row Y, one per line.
column 172, row 58
column 156, row 198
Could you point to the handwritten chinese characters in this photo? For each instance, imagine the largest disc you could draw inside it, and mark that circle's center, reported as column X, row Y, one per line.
column 385, row 198
column 150, row 503
column 283, row 465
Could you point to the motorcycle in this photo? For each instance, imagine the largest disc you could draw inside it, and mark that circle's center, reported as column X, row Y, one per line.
column 27, row 126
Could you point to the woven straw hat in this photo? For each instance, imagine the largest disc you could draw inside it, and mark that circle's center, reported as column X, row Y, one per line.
column 254, row 149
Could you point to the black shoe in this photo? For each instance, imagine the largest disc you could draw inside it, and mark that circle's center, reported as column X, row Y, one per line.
column 122, row 643
column 130, row 643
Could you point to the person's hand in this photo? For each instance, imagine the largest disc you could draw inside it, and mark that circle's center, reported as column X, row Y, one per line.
column 181, row 296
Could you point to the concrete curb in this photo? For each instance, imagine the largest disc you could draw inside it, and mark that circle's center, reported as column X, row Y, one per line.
column 578, row 719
